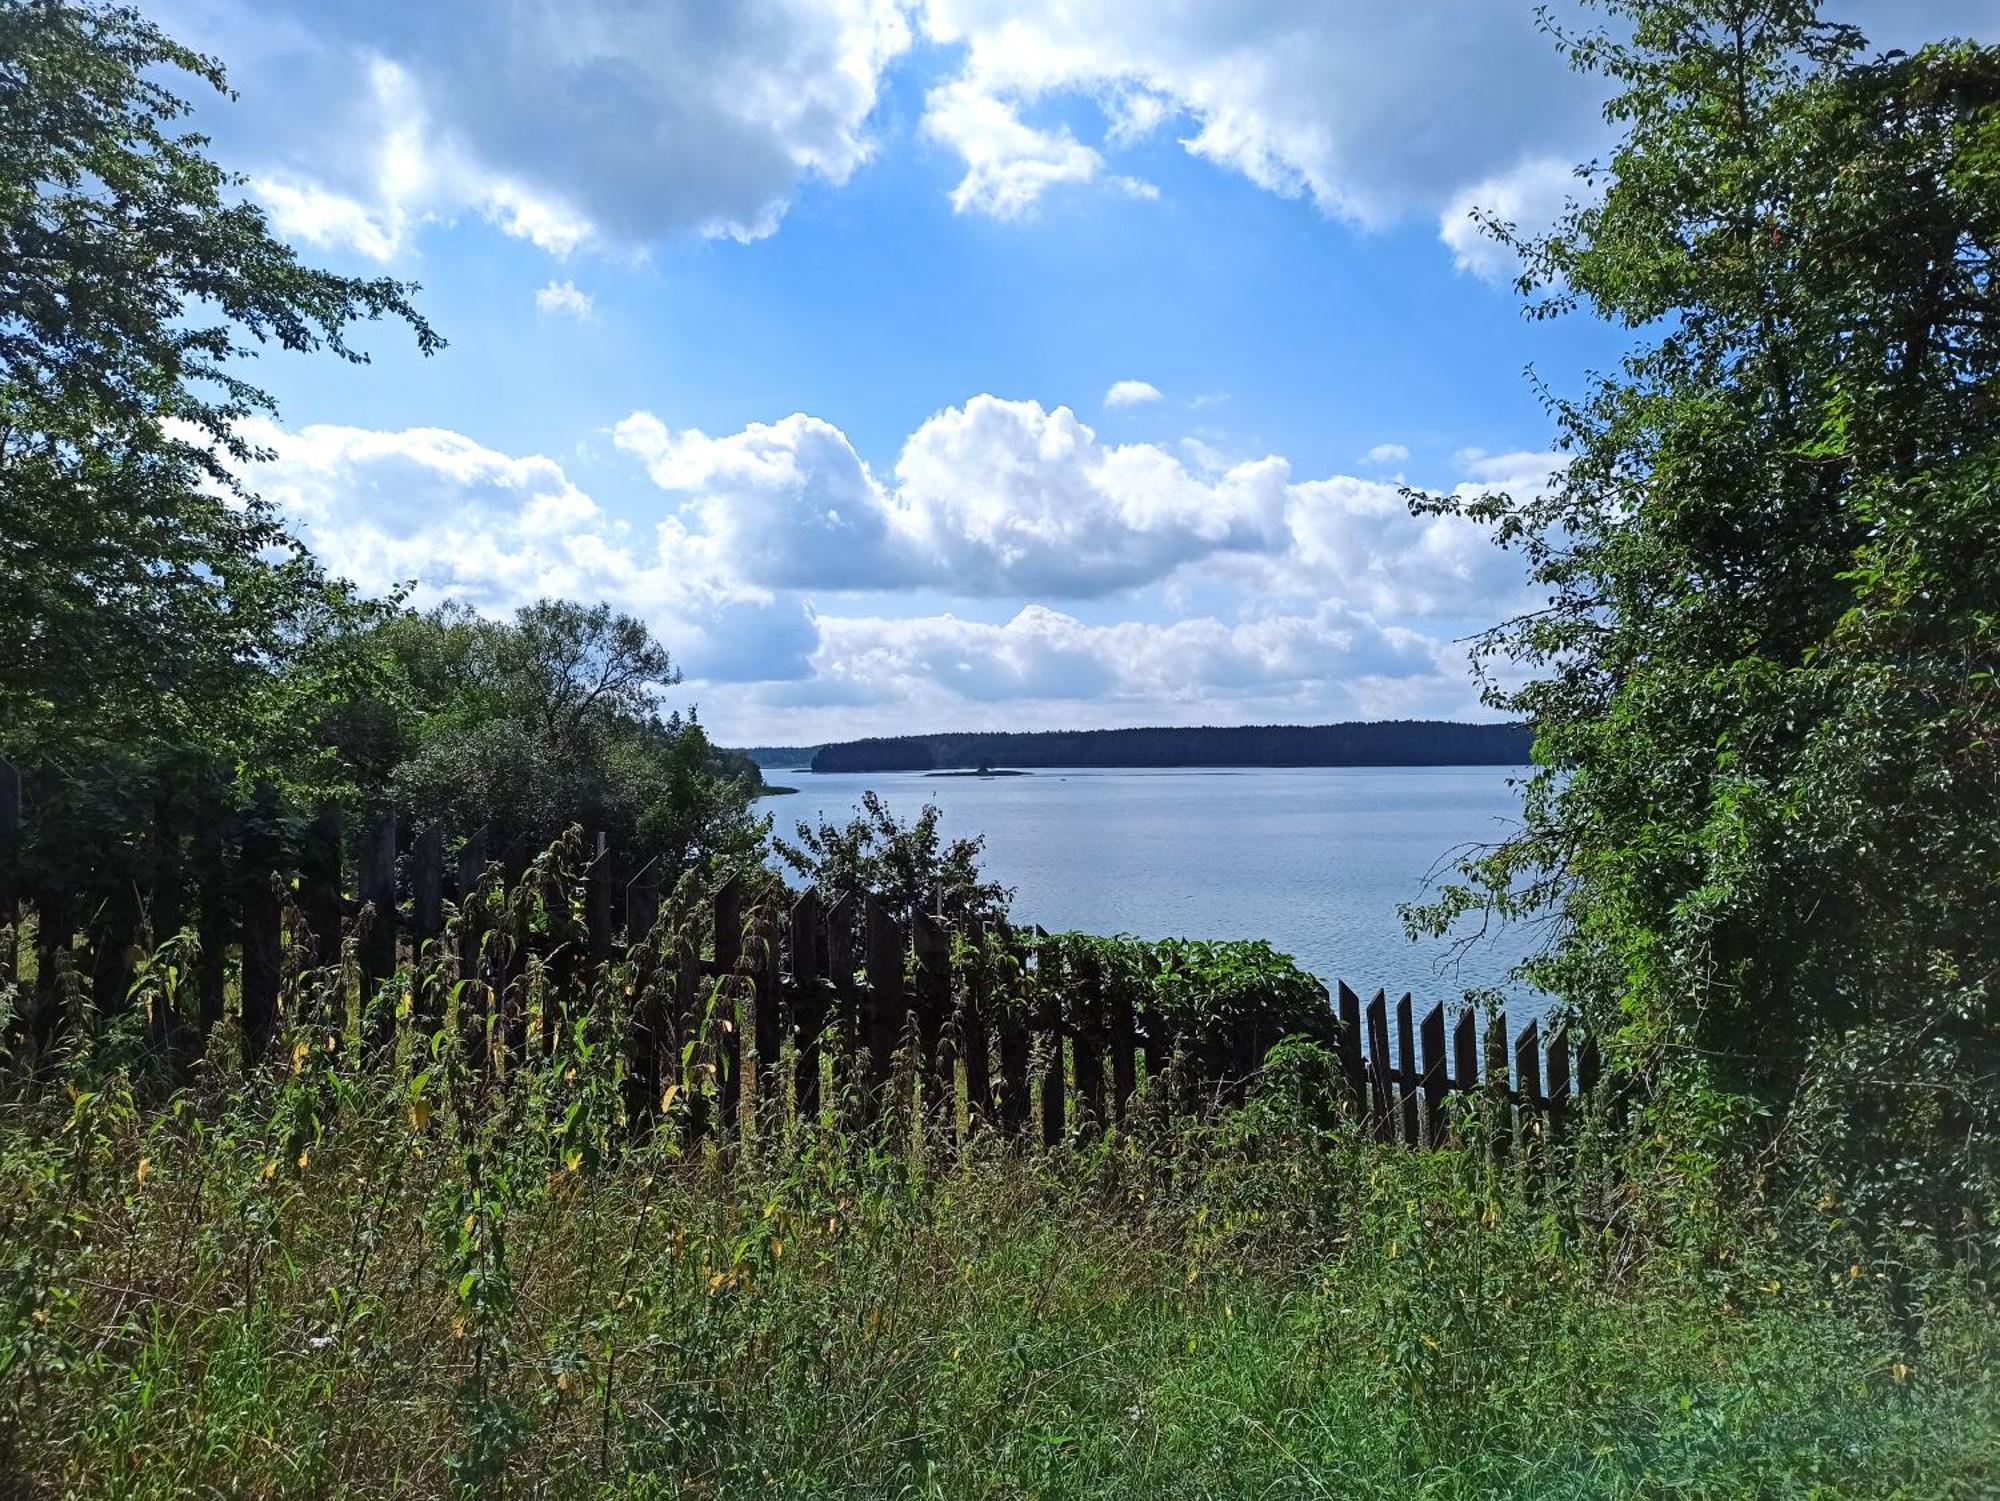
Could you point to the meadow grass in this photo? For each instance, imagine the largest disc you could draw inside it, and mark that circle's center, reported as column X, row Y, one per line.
column 326, row 1282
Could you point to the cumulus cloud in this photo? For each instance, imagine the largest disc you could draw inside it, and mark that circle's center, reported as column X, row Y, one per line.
column 564, row 300
column 1528, row 197
column 496, row 531
column 1129, row 393
column 775, row 567
column 1384, row 454
column 1304, row 99
column 989, row 499
column 593, row 119
column 999, row 499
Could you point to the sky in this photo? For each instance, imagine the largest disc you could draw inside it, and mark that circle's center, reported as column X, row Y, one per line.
column 917, row 365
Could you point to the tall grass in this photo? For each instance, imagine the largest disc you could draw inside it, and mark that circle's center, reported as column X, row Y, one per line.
column 337, row 1278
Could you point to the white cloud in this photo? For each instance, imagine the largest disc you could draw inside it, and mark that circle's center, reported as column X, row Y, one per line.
column 775, row 569
column 1383, row 454
column 1529, row 196
column 564, row 300
column 1305, row 99
column 1127, row 393
column 1331, row 658
column 497, row 531
column 593, row 120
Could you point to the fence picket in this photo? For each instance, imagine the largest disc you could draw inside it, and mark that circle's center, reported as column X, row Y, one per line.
column 1435, row 1078
column 1406, row 1072
column 726, row 1038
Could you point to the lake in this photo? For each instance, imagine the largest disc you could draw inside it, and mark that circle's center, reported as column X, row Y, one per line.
column 1314, row 859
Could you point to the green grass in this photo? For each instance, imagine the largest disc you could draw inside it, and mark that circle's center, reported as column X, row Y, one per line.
column 329, row 1284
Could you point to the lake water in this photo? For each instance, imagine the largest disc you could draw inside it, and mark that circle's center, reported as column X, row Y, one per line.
column 1314, row 859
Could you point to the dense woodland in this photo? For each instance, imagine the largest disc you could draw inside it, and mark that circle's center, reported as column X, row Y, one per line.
column 417, row 1226
column 1395, row 742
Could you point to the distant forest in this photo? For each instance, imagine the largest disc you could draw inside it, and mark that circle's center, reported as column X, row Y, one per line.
column 1393, row 742
column 785, row 757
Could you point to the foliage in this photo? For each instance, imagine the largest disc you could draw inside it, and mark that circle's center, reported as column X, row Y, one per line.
column 1209, row 992
column 909, row 867
column 145, row 597
column 372, row 1275
column 529, row 725
column 1768, row 799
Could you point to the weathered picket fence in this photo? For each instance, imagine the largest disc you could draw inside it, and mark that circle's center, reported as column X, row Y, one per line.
column 773, row 1006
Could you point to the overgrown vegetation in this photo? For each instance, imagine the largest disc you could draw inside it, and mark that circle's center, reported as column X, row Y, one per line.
column 1767, row 820
column 492, row 1258
column 338, row 1279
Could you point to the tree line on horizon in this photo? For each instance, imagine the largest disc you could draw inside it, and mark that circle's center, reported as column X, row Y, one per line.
column 1388, row 742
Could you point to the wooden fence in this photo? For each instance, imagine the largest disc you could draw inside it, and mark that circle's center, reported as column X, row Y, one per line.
column 768, row 1006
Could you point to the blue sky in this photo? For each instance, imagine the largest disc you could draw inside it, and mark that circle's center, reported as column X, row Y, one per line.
column 793, row 325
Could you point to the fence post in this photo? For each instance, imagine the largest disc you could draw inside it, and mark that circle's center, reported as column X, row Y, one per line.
column 1049, row 1015
column 728, row 1039
column 1015, row 1085
column 974, row 1041
column 1379, row 1067
column 808, row 1003
column 377, row 882
column 319, row 883
column 263, row 919
column 846, row 1022
column 932, row 946
column 427, row 885
column 1528, row 1079
column 1435, row 1079
column 1499, row 1098
column 1406, row 1073
column 1464, row 1054
column 884, row 952
column 690, row 1038
column 10, row 869
column 1558, row 1084
column 1086, row 1014
column 767, row 1035
column 1124, row 1066
column 1353, row 1067
column 642, row 903
column 474, row 994
column 598, row 884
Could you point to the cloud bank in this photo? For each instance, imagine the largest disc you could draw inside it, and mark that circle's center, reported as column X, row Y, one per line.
column 1011, row 565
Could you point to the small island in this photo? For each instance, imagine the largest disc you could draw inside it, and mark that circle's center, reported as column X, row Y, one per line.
column 983, row 771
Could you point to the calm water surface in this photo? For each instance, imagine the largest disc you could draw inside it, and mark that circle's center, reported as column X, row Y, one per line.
column 1316, row 860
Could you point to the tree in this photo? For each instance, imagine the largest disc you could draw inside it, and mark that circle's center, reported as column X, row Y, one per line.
column 144, row 595
column 1767, row 813
column 910, row 867
column 529, row 725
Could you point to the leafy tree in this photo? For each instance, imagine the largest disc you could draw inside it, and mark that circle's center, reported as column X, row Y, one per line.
column 909, row 866
column 1767, row 813
column 143, row 594
column 533, row 724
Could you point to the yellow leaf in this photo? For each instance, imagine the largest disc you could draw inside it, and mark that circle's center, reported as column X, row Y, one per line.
column 145, row 1169
column 574, row 1160
column 1900, row 1372
column 270, row 1170
column 304, row 1158
column 420, row 1113
column 777, row 1249
column 667, row 1099
column 299, row 1056
column 563, row 1382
